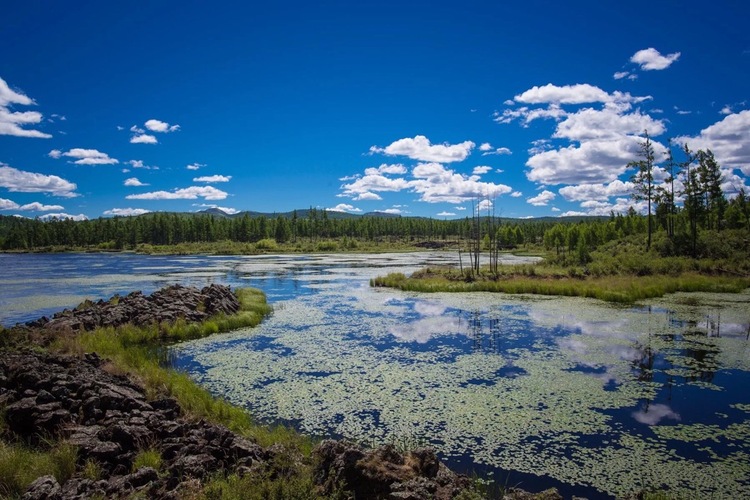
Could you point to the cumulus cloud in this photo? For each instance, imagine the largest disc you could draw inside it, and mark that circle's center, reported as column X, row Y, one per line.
column 566, row 94
column 143, row 139
column 384, row 169
column 84, row 156
column 62, row 216
column 126, row 212
column 650, row 59
column 420, row 148
column 603, row 208
column 344, row 207
column 213, row 178
column 485, row 146
column 607, row 123
column 620, row 75
column 134, row 182
column 446, row 214
column 160, row 126
column 367, row 196
column 20, row 181
column 195, row 166
column 584, row 192
column 728, row 139
column 481, row 170
column 516, row 194
column 13, row 122
column 32, row 207
column 392, row 211
column 189, row 193
column 498, row 151
column 542, row 199
column 433, row 181
column 591, row 162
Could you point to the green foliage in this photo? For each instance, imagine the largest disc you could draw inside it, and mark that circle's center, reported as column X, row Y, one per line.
column 20, row 466
column 298, row 486
column 150, row 457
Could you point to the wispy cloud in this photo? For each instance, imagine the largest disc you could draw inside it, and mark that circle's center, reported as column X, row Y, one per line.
column 30, row 182
column 13, row 122
column 84, row 156
column 213, row 178
column 189, row 193
column 195, row 166
column 344, row 207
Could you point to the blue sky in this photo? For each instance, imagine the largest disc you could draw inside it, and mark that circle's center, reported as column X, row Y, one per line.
column 416, row 108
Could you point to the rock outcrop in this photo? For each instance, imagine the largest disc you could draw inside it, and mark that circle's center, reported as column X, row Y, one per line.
column 110, row 421
column 168, row 304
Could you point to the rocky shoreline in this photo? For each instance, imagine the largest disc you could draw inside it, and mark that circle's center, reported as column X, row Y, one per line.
column 110, row 420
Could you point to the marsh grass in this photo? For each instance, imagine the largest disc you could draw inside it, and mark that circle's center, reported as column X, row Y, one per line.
column 618, row 289
column 149, row 457
column 21, row 465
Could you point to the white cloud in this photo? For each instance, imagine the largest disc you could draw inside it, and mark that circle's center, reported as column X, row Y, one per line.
column 437, row 184
column 516, row 194
column 728, row 139
column 38, row 207
column 584, row 192
column 555, row 209
column 499, row 151
column 126, row 212
column 650, row 59
column 385, row 169
column 367, row 196
column 419, row 148
column 432, row 181
column 85, row 156
column 566, row 94
column 446, row 214
column 484, row 205
column 726, row 110
column 13, row 122
column 20, row 181
column 61, row 216
column 603, row 208
column 8, row 204
column 195, row 166
column 134, row 182
column 542, row 198
column 140, row 164
column 143, row 139
column 592, row 162
column 620, row 75
column 481, row 170
column 189, row 193
column 160, row 126
column 460, row 208
column 527, row 115
column 343, row 207
column 607, row 123
column 485, row 146
column 655, row 413
column 394, row 211
column 213, row 178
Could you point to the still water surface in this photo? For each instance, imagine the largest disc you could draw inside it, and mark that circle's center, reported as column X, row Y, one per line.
column 595, row 399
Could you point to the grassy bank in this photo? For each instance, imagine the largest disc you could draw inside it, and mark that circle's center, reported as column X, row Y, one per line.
column 621, row 271
column 621, row 289
column 134, row 352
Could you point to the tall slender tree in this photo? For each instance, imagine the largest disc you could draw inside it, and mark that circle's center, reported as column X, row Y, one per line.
column 644, row 178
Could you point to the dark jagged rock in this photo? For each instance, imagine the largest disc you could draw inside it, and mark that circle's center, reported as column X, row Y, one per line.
column 166, row 305
column 384, row 472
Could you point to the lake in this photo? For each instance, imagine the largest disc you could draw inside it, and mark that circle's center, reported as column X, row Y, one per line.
column 595, row 399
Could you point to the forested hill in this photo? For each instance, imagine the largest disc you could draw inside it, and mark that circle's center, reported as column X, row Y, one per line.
column 169, row 228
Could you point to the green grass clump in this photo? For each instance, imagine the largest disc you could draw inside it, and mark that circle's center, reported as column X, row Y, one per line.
column 147, row 458
column 20, row 466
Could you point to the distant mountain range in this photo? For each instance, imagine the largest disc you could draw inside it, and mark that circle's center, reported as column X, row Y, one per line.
column 332, row 214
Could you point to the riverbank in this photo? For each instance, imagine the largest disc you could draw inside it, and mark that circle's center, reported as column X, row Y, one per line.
column 96, row 414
